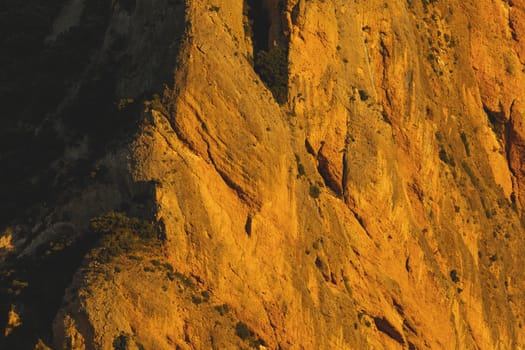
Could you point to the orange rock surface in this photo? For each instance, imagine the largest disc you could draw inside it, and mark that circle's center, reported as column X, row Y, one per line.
column 379, row 207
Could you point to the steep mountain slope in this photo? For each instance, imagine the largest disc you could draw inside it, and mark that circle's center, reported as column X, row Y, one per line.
column 268, row 174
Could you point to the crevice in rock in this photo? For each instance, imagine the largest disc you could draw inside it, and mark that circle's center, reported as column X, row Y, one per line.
column 264, row 25
column 248, row 226
column 512, row 141
column 344, row 176
column 510, row 138
column 323, row 267
column 360, row 220
column 208, row 156
column 511, row 24
column 409, row 327
column 398, row 307
column 309, row 147
column 229, row 181
column 497, row 121
column 385, row 56
column 323, row 167
column 407, row 265
column 383, row 325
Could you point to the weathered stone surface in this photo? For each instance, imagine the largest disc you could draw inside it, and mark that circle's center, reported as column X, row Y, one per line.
column 379, row 207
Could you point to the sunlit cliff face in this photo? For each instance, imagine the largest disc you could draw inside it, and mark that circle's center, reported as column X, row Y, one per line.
column 315, row 174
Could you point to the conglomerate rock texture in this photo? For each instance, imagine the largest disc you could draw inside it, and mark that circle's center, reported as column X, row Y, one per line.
column 272, row 174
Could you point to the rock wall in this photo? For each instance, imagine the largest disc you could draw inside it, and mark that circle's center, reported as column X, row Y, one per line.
column 379, row 207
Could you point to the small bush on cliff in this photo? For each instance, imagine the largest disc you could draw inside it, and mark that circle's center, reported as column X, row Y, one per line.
column 116, row 222
column 314, row 191
column 121, row 234
column 245, row 333
column 222, row 309
column 122, row 342
column 445, row 158
column 454, row 276
column 242, row 330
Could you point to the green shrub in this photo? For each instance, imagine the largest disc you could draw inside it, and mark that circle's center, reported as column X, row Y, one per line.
column 363, row 95
column 122, row 342
column 168, row 267
column 242, row 331
column 113, row 222
column 314, row 191
column 473, row 178
column 158, row 103
column 300, row 170
column 123, row 103
column 246, row 334
column 272, row 67
column 185, row 280
column 171, row 275
column 454, row 276
column 222, row 309
column 300, row 167
column 120, row 234
column 446, row 158
column 196, row 299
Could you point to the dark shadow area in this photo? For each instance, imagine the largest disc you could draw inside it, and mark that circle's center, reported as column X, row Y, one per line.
column 497, row 121
column 259, row 21
column 34, row 81
column 36, row 285
column 270, row 51
column 128, row 5
column 383, row 325
column 66, row 83
column 36, row 76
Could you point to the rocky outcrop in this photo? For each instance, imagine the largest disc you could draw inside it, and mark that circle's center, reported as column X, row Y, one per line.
column 379, row 204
